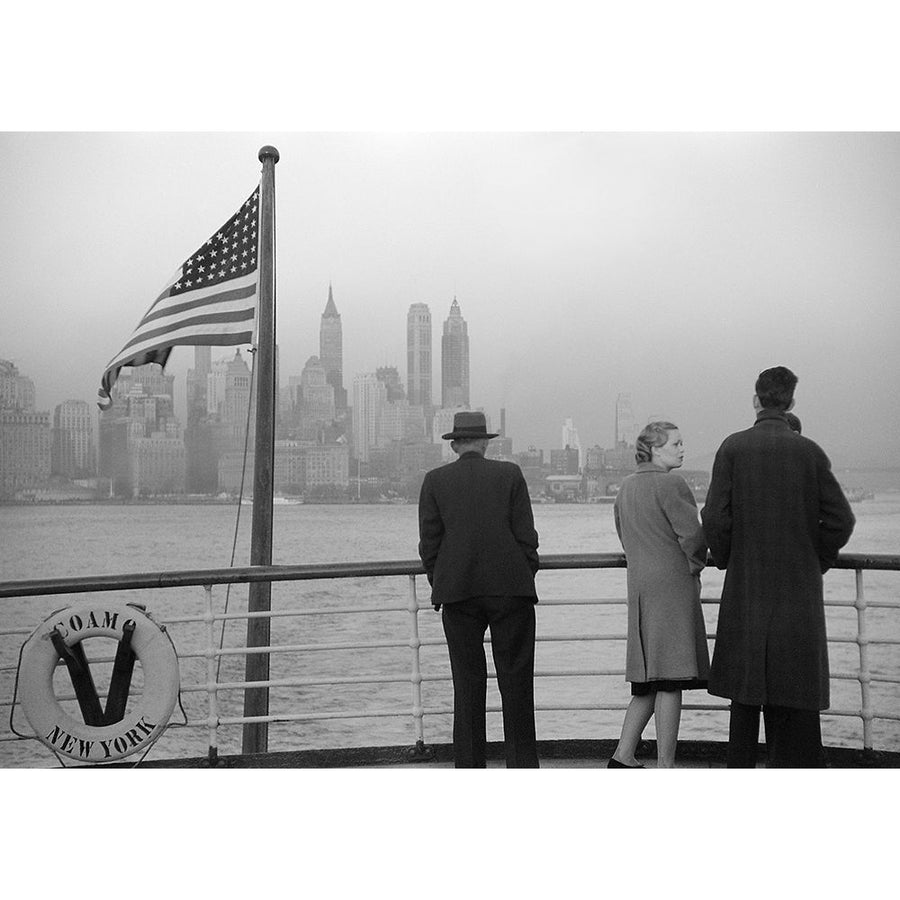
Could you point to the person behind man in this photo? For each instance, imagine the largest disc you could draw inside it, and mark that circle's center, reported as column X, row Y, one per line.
column 775, row 518
column 478, row 544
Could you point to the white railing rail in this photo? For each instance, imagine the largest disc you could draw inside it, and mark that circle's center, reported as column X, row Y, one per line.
column 417, row 710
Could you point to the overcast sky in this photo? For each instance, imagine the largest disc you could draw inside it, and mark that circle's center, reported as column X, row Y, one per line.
column 672, row 266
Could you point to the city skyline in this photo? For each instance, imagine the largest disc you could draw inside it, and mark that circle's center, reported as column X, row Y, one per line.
column 673, row 267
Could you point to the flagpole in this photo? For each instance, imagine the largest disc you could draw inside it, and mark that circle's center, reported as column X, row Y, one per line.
column 256, row 700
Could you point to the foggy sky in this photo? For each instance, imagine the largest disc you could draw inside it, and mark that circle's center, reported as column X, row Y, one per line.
column 673, row 267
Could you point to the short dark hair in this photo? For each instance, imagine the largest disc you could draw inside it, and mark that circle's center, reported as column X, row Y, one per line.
column 775, row 388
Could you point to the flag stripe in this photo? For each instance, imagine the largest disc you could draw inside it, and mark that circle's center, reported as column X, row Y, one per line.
column 230, row 322
column 214, row 301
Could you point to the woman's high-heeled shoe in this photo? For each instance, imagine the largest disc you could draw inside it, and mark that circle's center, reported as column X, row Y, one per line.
column 615, row 764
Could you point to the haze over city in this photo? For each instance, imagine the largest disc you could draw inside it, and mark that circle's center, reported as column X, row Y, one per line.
column 673, row 267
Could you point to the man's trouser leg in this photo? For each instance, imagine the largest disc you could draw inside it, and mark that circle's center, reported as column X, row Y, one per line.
column 512, row 625
column 743, row 736
column 793, row 738
column 464, row 626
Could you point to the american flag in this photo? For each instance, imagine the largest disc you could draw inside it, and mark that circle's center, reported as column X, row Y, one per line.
column 211, row 299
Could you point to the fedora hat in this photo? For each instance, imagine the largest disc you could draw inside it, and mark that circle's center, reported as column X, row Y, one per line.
column 468, row 425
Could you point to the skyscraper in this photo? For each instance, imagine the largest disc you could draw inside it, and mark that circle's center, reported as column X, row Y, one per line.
column 331, row 350
column 455, row 360
column 314, row 405
column 570, row 440
column 200, row 462
column 626, row 430
column 73, row 453
column 418, row 356
column 369, row 398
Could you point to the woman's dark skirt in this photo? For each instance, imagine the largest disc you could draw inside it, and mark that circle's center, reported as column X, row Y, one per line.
column 642, row 688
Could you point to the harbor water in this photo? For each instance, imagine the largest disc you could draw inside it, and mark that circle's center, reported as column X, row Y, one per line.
column 81, row 540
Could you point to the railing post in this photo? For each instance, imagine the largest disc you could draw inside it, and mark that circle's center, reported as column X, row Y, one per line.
column 420, row 751
column 212, row 694
column 865, row 677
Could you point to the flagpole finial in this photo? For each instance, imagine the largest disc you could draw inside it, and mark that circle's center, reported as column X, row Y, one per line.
column 268, row 151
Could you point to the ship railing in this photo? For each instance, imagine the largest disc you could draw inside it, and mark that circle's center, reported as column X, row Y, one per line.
column 414, row 604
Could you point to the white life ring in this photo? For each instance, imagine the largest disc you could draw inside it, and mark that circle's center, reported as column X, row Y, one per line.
column 141, row 726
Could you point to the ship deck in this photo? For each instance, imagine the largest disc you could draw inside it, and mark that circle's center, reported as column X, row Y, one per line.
column 558, row 754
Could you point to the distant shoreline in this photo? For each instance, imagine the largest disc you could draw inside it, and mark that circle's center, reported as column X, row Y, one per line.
column 216, row 501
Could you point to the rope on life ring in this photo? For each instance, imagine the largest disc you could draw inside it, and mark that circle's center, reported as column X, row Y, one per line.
column 65, row 630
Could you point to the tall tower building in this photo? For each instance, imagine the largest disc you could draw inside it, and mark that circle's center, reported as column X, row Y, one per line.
column 418, row 356
column 369, row 398
column 315, row 401
column 73, row 452
column 455, row 360
column 626, row 430
column 570, row 439
column 200, row 463
column 196, row 383
column 331, row 350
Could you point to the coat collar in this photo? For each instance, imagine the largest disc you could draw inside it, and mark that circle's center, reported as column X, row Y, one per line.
column 470, row 454
column 648, row 467
column 771, row 415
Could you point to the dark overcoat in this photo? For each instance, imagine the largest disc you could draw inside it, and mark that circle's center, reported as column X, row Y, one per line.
column 657, row 522
column 476, row 530
column 775, row 518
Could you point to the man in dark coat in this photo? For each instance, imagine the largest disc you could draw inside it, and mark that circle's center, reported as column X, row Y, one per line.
column 479, row 548
column 775, row 518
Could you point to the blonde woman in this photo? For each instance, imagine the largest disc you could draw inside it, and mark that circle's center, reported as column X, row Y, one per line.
column 658, row 525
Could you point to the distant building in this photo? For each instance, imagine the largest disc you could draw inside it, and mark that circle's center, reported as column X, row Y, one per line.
column 594, row 459
column 455, row 360
column 369, row 398
column 299, row 467
column 619, row 459
column 418, row 356
column 25, row 444
column 16, row 391
column 158, row 462
column 564, row 461
column 200, row 458
column 142, row 449
column 564, row 488
column 26, row 440
column 391, row 379
column 570, row 439
column 500, row 448
column 73, row 453
column 331, row 350
column 531, row 462
column 626, row 429
column 313, row 405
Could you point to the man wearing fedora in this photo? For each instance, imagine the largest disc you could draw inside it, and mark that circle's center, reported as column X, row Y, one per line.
column 479, row 547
